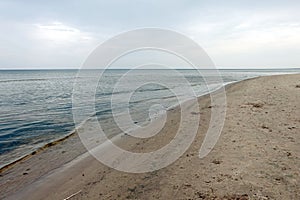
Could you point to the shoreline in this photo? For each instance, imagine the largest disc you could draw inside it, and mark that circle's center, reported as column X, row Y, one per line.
column 232, row 88
column 38, row 150
column 73, row 132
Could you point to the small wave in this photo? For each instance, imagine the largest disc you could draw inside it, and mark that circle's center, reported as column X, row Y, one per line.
column 39, row 79
column 129, row 91
column 22, row 80
column 151, row 99
column 152, row 89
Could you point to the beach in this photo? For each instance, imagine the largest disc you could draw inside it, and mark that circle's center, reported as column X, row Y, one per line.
column 256, row 157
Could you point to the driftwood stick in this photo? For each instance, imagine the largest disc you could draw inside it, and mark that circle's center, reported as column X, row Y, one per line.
column 72, row 195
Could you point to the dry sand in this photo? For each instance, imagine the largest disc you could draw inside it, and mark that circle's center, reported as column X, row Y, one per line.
column 256, row 157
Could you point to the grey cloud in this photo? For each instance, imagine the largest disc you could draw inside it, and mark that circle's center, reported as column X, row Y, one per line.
column 216, row 25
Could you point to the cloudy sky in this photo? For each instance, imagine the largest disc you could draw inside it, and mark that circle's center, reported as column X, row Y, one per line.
column 235, row 34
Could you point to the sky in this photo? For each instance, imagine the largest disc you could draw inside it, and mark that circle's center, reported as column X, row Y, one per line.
column 235, row 34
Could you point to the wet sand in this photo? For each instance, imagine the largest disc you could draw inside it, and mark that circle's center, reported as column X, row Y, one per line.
column 256, row 157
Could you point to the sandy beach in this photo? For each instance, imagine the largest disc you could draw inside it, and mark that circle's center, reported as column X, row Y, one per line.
column 256, row 157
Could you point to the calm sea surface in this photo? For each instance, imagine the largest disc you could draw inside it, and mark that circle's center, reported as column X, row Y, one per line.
column 36, row 105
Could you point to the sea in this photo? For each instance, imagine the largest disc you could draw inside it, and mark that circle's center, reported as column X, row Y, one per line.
column 36, row 105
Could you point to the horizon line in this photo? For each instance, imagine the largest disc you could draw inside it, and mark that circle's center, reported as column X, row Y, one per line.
column 12, row 69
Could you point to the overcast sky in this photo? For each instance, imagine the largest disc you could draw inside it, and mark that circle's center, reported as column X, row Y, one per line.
column 235, row 34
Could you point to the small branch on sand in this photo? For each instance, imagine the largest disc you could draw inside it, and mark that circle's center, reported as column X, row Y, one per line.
column 69, row 197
